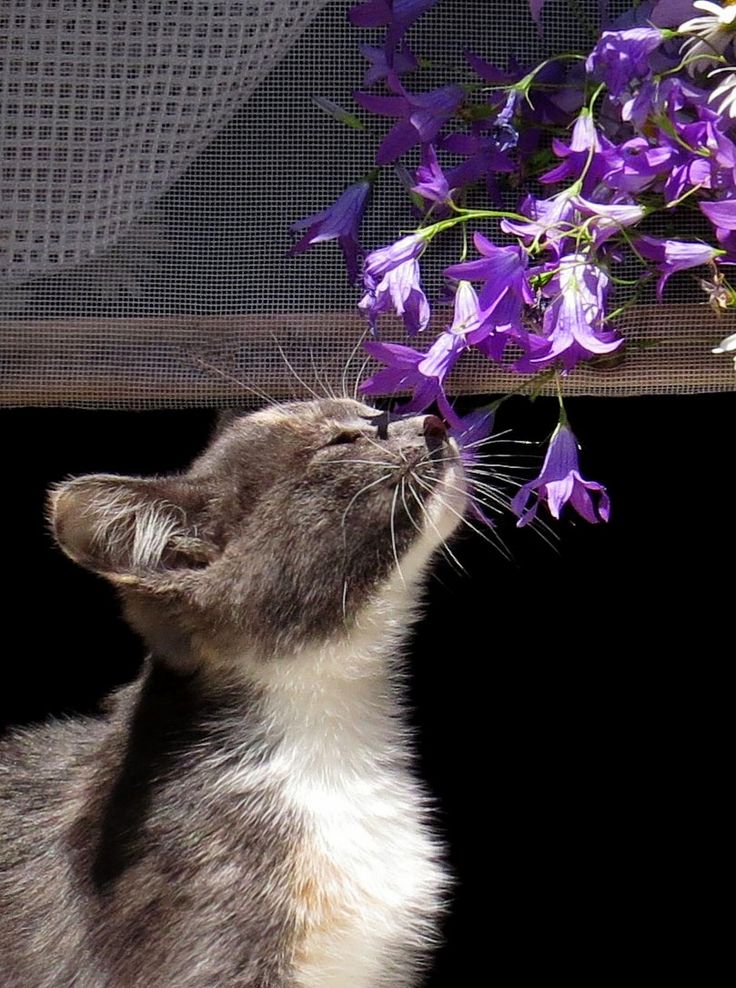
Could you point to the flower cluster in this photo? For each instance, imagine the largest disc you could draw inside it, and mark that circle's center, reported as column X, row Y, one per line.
column 644, row 125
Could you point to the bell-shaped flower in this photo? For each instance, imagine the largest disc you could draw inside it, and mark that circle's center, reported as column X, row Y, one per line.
column 484, row 158
column 499, row 306
column 559, row 483
column 383, row 62
column 586, row 156
column 431, row 181
column 391, row 277
column 574, row 322
column 623, row 57
column 466, row 313
column 550, row 220
column 636, row 164
column 341, row 222
column 400, row 291
column 503, row 271
column 420, row 116
column 388, row 13
column 721, row 213
column 607, row 219
column 671, row 256
column 408, row 369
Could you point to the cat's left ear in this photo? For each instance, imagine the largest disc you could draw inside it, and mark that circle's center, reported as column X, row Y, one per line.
column 132, row 530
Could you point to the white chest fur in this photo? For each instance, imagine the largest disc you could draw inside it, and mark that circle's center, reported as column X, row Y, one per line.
column 369, row 883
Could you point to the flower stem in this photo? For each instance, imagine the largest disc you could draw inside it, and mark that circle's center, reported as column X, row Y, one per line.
column 563, row 421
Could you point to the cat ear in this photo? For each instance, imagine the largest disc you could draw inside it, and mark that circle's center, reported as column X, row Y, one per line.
column 128, row 529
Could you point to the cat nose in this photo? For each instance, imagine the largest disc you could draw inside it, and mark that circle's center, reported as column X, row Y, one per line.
column 435, row 435
column 434, row 428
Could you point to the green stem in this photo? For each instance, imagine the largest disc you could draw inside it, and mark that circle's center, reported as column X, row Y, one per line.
column 563, row 420
column 429, row 232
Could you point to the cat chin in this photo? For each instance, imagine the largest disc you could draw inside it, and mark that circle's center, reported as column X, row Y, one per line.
column 444, row 511
column 448, row 503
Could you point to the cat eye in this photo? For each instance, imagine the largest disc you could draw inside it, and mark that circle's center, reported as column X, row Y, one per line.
column 344, row 437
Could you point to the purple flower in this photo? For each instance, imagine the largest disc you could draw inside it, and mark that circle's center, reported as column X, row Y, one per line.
column 470, row 430
column 466, row 316
column 400, row 290
column 504, row 271
column 722, row 214
column 432, row 182
column 485, row 159
column 394, row 57
column 387, row 13
column 491, row 73
column 560, row 482
column 635, row 165
column 574, row 322
column 577, row 156
column 383, row 62
column 551, row 219
column 420, row 117
column 654, row 97
column 382, row 260
column 500, row 304
column 700, row 154
column 341, row 222
column 686, row 171
column 621, row 57
column 584, row 137
column 607, row 219
column 409, row 369
column 392, row 280
column 498, row 315
column 674, row 255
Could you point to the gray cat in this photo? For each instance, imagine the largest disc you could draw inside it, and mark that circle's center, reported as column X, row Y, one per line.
column 245, row 814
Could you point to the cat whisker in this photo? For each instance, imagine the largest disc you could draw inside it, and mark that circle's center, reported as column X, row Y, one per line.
column 363, row 490
column 444, row 547
column 454, row 511
column 232, row 379
column 346, row 368
column 406, row 506
column 324, row 384
column 295, row 375
column 359, row 378
column 393, row 535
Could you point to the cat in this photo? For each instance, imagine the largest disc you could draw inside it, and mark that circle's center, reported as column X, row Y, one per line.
column 245, row 814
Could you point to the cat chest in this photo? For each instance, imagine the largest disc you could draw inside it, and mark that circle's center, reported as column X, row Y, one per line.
column 367, row 880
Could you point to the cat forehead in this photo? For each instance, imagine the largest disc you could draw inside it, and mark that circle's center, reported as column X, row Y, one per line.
column 299, row 417
column 285, row 427
column 310, row 412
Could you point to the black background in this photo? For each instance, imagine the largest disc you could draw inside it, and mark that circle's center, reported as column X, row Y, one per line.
column 572, row 703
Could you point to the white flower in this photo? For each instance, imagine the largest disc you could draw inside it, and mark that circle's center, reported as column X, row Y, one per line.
column 726, row 346
column 713, row 34
column 727, row 89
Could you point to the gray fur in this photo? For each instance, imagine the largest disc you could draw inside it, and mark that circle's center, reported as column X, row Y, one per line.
column 124, row 860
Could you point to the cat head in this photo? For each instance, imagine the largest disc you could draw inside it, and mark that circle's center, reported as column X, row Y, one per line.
column 279, row 534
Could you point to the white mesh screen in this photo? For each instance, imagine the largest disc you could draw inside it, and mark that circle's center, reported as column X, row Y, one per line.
column 155, row 155
column 106, row 103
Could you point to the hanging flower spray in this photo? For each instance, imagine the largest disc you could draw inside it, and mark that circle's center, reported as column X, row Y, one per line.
column 639, row 127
